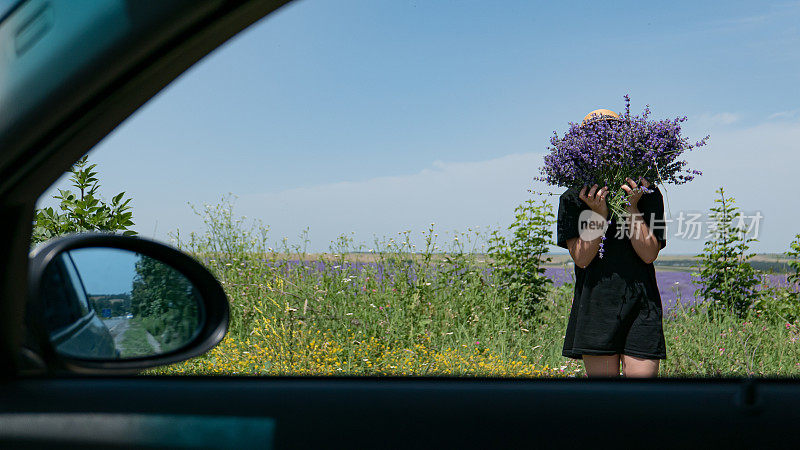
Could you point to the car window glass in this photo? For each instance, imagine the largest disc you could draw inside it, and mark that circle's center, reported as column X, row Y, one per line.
column 82, row 305
column 361, row 178
column 62, row 307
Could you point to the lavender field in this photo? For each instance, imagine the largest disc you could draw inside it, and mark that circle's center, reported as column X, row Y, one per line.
column 673, row 285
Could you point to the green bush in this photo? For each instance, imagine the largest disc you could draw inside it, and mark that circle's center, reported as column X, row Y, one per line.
column 794, row 263
column 519, row 260
column 780, row 304
column 165, row 302
column 728, row 280
column 84, row 210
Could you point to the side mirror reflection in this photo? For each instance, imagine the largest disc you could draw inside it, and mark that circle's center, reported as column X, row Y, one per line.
column 106, row 303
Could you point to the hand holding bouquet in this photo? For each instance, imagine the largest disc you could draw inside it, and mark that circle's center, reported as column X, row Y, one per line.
column 621, row 152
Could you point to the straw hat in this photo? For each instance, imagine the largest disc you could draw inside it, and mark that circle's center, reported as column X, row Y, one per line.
column 600, row 114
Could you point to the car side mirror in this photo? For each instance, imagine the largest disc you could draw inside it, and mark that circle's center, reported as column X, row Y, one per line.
column 103, row 303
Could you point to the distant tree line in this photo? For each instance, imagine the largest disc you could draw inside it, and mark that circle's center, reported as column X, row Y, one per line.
column 117, row 304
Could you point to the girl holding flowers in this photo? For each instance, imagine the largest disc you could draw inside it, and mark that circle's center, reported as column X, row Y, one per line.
column 615, row 235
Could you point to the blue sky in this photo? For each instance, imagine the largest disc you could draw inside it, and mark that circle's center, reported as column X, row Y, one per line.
column 106, row 271
column 375, row 117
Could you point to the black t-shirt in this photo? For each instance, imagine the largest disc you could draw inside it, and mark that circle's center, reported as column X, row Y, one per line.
column 617, row 306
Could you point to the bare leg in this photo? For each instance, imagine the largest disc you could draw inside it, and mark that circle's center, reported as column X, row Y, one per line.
column 601, row 366
column 635, row 367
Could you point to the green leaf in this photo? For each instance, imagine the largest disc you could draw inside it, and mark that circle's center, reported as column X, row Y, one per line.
column 85, row 210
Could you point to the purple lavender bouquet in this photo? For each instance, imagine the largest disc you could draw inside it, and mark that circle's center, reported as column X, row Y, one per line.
column 607, row 151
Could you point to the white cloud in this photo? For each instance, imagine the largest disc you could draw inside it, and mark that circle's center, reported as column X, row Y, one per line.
column 785, row 115
column 756, row 165
column 454, row 195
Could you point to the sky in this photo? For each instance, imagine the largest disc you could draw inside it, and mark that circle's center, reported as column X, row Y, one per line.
column 106, row 271
column 372, row 117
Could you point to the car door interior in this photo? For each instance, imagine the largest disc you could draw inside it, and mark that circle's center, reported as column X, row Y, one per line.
column 71, row 71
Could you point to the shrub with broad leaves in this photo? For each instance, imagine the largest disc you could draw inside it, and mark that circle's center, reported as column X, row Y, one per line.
column 728, row 280
column 83, row 210
column 519, row 259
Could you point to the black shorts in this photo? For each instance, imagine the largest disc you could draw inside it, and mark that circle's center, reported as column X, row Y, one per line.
column 605, row 325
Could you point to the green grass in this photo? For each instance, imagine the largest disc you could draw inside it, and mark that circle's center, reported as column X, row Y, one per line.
column 725, row 346
column 428, row 311
column 305, row 307
column 134, row 341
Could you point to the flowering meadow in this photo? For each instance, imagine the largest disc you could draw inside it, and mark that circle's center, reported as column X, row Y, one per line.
column 438, row 310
